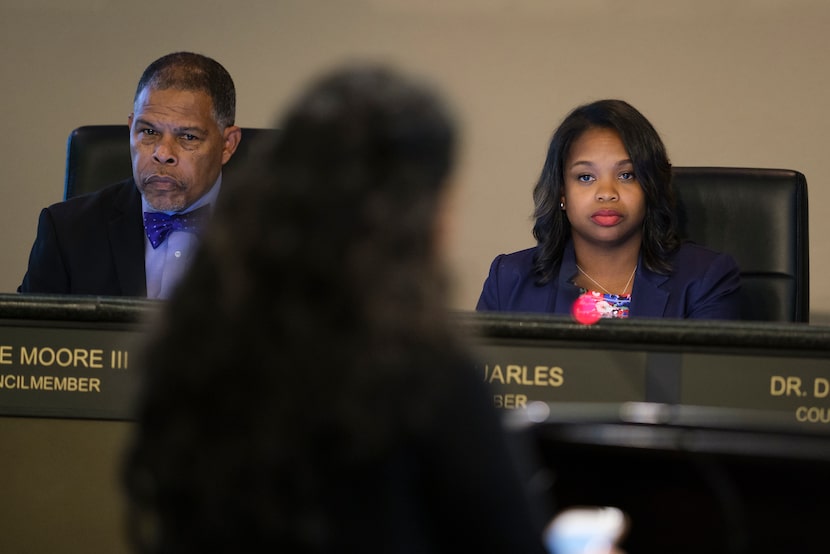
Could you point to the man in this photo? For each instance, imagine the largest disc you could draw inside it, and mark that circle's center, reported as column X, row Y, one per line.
column 135, row 238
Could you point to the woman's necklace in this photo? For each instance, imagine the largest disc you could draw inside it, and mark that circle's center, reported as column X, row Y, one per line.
column 594, row 281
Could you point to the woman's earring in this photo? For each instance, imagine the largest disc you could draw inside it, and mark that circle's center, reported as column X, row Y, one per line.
column 562, row 206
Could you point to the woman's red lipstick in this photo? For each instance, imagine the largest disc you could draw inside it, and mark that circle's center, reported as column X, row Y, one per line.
column 606, row 218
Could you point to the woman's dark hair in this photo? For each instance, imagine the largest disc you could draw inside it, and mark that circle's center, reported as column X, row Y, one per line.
column 651, row 166
column 290, row 350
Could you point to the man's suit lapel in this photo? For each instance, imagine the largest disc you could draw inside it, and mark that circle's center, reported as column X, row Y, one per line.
column 126, row 237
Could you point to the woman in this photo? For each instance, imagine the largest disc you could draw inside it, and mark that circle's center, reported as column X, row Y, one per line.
column 606, row 228
column 304, row 392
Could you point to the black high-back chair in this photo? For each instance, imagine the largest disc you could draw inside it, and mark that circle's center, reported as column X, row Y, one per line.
column 99, row 155
column 759, row 216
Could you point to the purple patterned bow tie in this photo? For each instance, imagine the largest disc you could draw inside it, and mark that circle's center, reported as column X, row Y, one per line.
column 158, row 224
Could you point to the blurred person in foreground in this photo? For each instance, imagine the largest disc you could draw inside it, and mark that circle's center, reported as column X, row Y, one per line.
column 304, row 391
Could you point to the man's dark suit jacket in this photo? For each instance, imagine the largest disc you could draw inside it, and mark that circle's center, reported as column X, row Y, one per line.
column 91, row 244
column 704, row 284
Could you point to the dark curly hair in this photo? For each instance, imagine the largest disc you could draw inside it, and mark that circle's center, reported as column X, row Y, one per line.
column 295, row 345
column 651, row 165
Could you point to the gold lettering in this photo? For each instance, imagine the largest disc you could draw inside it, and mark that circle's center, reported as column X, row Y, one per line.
column 62, row 357
column 46, row 356
column 92, row 358
column 6, row 355
column 544, row 376
column 812, row 414
column 538, row 376
column 514, row 401
column 26, row 357
column 510, row 401
column 50, row 383
column 497, row 375
column 785, row 386
column 118, row 359
column 557, row 376
column 526, row 380
column 514, row 374
column 821, row 387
